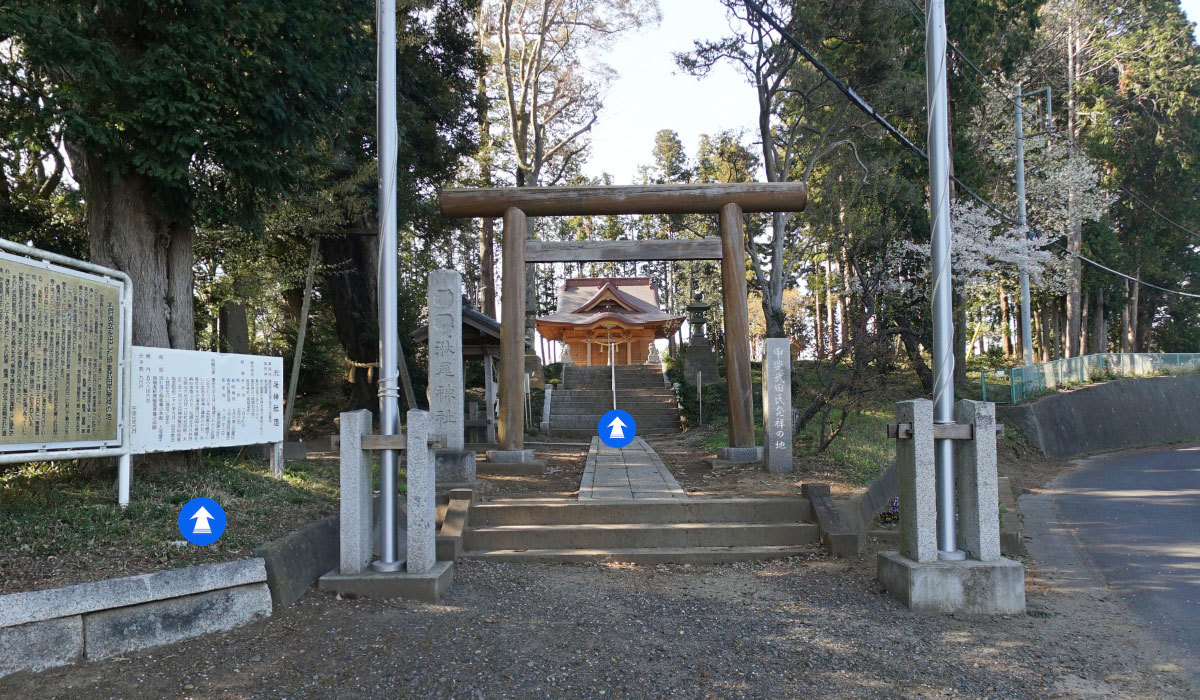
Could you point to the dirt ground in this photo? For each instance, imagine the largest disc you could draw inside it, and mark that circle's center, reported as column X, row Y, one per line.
column 564, row 471
column 808, row 626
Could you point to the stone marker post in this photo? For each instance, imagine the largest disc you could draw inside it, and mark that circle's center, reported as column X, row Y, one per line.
column 978, row 499
column 917, row 489
column 356, row 498
column 446, row 393
column 777, row 405
column 422, row 508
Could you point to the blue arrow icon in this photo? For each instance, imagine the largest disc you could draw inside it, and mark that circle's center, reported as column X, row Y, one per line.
column 617, row 428
column 201, row 521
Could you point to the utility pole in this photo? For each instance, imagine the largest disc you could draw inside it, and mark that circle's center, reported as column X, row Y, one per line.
column 1026, row 315
column 943, row 298
column 1026, row 333
column 389, row 339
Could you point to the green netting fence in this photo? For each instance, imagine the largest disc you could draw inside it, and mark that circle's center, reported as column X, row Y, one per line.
column 1020, row 384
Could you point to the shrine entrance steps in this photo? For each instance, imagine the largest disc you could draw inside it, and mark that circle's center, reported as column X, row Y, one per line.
column 586, row 394
column 640, row 531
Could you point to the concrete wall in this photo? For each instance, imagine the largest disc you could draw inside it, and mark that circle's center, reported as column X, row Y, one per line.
column 1116, row 415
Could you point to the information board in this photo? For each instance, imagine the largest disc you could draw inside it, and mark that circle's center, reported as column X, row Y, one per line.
column 187, row 399
column 60, row 356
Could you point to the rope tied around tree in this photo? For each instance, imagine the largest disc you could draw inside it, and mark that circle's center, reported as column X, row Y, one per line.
column 369, row 366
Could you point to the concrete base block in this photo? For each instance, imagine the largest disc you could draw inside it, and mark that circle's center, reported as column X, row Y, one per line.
column 971, row 587
column 511, row 468
column 295, row 450
column 295, row 560
column 428, row 586
column 744, row 455
column 454, row 467
column 41, row 645
column 509, row 456
column 121, row 630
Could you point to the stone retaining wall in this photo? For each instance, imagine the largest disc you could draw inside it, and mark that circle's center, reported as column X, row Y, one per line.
column 1116, row 415
column 58, row 626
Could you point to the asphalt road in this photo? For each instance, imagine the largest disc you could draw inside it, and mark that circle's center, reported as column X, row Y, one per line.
column 1137, row 517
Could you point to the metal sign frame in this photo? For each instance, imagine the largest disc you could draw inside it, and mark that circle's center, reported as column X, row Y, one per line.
column 42, row 452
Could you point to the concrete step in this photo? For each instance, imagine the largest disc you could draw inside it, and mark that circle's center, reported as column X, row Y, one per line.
column 649, row 391
column 591, row 423
column 657, row 555
column 580, row 434
column 601, row 410
column 709, row 510
column 638, row 535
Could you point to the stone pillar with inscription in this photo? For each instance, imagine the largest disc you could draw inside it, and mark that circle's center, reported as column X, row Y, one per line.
column 777, row 405
column 446, row 392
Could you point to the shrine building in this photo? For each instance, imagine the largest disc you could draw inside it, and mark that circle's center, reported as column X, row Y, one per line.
column 595, row 313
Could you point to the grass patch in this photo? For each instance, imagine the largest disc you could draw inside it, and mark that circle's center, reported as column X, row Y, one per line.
column 52, row 511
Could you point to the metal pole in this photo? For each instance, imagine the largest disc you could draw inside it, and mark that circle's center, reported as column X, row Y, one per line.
column 1026, row 334
column 943, row 301
column 389, row 340
column 612, row 363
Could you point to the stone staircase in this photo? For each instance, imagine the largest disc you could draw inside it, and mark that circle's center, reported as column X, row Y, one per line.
column 695, row 531
column 586, row 395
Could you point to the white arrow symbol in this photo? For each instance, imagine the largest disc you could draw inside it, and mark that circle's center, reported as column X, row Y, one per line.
column 616, row 425
column 201, row 517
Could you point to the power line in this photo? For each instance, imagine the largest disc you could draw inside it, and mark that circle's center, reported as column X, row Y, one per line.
column 905, row 141
column 1128, row 277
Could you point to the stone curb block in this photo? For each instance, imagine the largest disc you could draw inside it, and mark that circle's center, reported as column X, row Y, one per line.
column 120, row 630
column 33, row 606
column 298, row 558
column 36, row 646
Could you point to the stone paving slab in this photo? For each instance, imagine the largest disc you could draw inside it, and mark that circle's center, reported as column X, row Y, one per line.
column 633, row 472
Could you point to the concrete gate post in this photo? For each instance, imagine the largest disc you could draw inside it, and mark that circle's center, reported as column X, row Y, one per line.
column 355, row 497
column 983, row 584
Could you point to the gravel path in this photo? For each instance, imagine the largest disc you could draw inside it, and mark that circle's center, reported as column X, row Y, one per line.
column 803, row 627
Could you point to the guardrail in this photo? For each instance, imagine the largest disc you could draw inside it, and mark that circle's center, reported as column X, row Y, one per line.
column 1019, row 384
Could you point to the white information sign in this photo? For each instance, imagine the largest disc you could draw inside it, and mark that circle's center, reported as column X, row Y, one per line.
column 187, row 399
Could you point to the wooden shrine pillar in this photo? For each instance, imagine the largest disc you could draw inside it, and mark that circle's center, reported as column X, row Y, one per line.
column 737, row 327
column 511, row 433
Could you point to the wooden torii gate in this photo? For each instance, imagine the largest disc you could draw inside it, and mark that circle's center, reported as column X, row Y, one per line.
column 728, row 201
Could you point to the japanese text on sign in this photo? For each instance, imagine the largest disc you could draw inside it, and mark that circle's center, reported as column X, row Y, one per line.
column 60, row 355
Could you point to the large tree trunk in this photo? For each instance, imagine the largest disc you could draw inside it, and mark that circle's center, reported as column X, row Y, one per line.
column 235, row 331
column 1005, row 325
column 351, row 264
column 1099, row 328
column 130, row 230
column 1083, row 321
column 772, row 306
column 487, row 266
column 818, row 335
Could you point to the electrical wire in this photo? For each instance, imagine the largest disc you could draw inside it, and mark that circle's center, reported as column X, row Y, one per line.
column 905, row 141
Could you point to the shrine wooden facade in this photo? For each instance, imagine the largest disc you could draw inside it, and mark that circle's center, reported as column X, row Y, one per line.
column 595, row 314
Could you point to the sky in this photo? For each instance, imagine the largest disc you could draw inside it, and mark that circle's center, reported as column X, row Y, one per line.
column 651, row 93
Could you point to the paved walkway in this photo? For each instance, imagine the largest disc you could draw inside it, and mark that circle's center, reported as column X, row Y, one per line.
column 633, row 472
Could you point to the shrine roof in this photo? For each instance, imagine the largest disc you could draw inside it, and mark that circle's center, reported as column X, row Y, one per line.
column 628, row 301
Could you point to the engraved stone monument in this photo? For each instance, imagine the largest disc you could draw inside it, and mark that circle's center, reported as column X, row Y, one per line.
column 446, row 394
column 777, row 405
column 454, row 466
